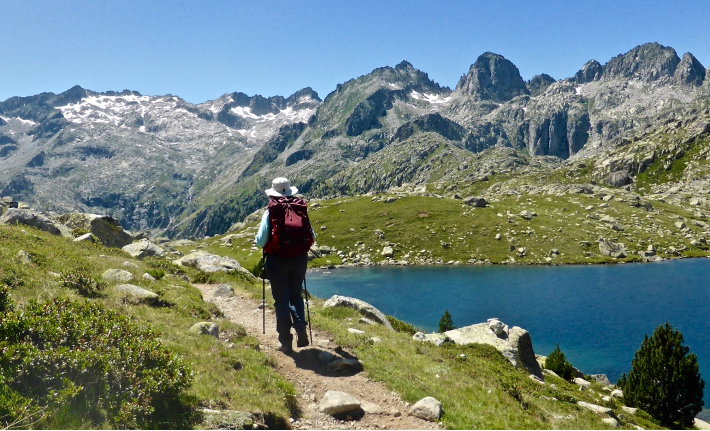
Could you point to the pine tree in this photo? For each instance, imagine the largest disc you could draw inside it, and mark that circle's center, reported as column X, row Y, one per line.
column 664, row 379
column 557, row 362
column 446, row 323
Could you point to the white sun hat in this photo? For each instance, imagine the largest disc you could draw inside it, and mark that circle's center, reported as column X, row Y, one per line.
column 281, row 187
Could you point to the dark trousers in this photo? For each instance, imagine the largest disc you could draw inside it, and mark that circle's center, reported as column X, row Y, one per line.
column 286, row 275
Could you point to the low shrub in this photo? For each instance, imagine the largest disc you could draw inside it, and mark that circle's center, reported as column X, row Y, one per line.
column 557, row 362
column 82, row 360
column 83, row 283
column 156, row 273
column 401, row 326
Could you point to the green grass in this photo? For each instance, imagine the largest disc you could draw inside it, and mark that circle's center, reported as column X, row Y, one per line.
column 477, row 386
column 233, row 377
column 449, row 231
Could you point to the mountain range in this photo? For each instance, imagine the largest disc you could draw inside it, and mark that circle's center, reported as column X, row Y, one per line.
column 159, row 163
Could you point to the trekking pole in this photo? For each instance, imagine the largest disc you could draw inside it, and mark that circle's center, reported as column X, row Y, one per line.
column 263, row 294
column 307, row 308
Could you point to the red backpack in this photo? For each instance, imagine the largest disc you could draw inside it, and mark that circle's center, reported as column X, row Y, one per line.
column 291, row 233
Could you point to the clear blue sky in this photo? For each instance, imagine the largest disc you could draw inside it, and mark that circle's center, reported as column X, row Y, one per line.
column 199, row 50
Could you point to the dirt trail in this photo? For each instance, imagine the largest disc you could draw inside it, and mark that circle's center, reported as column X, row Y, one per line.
column 312, row 378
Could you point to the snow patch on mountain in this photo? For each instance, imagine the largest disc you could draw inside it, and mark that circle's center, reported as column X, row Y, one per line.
column 429, row 97
column 21, row 120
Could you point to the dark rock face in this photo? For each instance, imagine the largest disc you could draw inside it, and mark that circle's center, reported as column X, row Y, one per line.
column 560, row 135
column 689, row 71
column 619, row 179
column 275, row 146
column 492, row 77
column 431, row 123
column 591, row 71
column 366, row 114
column 37, row 160
column 647, row 63
column 50, row 126
column 539, row 83
column 298, row 156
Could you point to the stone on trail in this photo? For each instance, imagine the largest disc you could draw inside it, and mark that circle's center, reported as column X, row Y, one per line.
column 143, row 248
column 119, row 275
column 361, row 306
column 428, row 408
column 205, row 328
column 224, row 291
column 371, row 408
column 338, row 403
column 136, row 294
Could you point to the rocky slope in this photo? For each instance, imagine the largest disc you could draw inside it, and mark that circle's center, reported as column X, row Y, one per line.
column 161, row 163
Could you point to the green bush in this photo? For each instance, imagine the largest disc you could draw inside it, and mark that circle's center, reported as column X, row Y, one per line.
column 446, row 323
column 400, row 326
column 83, row 283
column 5, row 302
column 165, row 265
column 557, row 362
column 80, row 360
column 156, row 273
column 664, row 379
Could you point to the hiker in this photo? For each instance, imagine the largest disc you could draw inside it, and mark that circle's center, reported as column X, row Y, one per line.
column 285, row 235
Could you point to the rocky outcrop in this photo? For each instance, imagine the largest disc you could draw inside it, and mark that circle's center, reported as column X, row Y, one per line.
column 562, row 134
column 428, row 408
column 205, row 328
column 591, row 71
column 539, row 83
column 515, row 343
column 144, row 248
column 366, row 114
column 107, row 229
column 431, row 123
column 362, row 307
column 619, row 179
column 648, row 62
column 210, row 263
column 26, row 217
column 689, row 71
column 611, row 249
column 492, row 77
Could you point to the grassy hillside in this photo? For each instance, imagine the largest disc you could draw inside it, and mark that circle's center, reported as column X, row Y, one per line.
column 561, row 228
column 229, row 373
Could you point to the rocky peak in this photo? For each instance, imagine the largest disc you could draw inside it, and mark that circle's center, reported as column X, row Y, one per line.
column 539, row 83
column 591, row 71
column 648, row 62
column 492, row 77
column 405, row 75
column 689, row 71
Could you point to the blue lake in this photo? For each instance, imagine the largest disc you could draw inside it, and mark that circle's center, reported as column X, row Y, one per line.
column 598, row 314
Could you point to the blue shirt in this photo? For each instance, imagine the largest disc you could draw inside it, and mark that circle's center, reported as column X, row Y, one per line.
column 262, row 235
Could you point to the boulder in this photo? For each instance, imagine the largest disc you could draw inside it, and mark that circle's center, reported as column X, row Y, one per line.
column 107, row 229
column 476, row 202
column 387, row 251
column 581, row 382
column 143, row 248
column 205, row 328
column 612, row 249
column 595, row 408
column 428, row 408
column 602, row 379
column 136, row 294
column 120, row 275
column 26, row 217
column 224, row 291
column 362, row 307
column 516, row 345
column 87, row 237
column 618, row 178
column 210, row 263
column 338, row 403
column 617, row 393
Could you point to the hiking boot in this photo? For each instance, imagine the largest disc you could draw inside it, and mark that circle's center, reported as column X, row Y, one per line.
column 302, row 340
column 286, row 344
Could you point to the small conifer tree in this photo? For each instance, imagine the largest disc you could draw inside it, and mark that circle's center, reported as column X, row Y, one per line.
column 557, row 362
column 664, row 379
column 446, row 323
